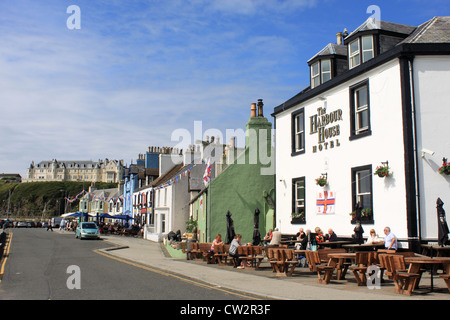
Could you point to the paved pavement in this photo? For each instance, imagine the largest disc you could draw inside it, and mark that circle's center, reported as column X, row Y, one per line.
column 264, row 283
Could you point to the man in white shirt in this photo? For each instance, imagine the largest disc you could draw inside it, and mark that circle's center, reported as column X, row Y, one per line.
column 390, row 240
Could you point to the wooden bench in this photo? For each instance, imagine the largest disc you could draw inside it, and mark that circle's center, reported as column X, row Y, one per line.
column 380, row 260
column 258, row 256
column 404, row 281
column 446, row 278
column 362, row 261
column 193, row 252
column 205, row 252
column 221, row 253
column 282, row 260
column 324, row 271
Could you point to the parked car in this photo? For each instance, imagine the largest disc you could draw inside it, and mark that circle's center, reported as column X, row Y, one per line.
column 87, row 230
column 44, row 224
column 22, row 224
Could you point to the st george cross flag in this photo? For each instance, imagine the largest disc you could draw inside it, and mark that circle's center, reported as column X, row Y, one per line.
column 207, row 174
column 326, row 201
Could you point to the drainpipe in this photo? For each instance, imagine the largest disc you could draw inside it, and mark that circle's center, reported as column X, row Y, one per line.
column 410, row 150
column 413, row 110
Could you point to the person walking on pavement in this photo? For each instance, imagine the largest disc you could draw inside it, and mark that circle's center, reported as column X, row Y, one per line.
column 50, row 225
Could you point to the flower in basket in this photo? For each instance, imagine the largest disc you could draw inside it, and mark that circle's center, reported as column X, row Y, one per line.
column 445, row 168
column 382, row 171
column 298, row 215
column 321, row 181
column 366, row 213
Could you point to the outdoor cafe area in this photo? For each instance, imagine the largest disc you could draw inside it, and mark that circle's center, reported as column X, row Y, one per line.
column 343, row 265
column 108, row 225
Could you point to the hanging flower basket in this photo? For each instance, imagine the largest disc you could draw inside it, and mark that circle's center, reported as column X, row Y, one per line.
column 366, row 216
column 298, row 218
column 322, row 181
column 382, row 171
column 445, row 168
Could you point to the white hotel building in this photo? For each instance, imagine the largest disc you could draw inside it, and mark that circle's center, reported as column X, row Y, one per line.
column 380, row 95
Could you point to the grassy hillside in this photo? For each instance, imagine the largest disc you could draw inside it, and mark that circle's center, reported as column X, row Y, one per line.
column 28, row 200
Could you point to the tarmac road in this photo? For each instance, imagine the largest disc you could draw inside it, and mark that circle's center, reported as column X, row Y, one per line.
column 45, row 265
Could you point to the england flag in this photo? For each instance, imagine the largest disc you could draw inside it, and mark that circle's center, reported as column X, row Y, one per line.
column 207, row 174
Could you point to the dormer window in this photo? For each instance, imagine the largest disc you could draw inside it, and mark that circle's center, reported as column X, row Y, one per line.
column 358, row 56
column 320, row 72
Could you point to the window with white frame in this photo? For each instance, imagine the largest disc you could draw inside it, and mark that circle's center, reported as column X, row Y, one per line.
column 360, row 110
column 325, row 70
column 354, row 58
column 367, row 48
column 298, row 131
column 315, row 75
column 362, row 189
column 163, row 223
column 298, row 203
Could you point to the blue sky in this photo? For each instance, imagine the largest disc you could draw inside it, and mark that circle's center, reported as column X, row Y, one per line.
column 138, row 70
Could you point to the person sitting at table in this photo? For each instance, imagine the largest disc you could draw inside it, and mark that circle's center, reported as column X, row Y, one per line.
column 217, row 241
column 268, row 236
column 276, row 238
column 373, row 237
column 319, row 235
column 390, row 240
column 302, row 240
column 233, row 251
column 331, row 236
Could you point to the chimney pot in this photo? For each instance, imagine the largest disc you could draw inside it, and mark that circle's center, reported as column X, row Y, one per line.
column 253, row 110
column 260, row 108
column 339, row 38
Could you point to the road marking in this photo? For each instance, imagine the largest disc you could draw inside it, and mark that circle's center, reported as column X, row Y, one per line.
column 5, row 255
column 155, row 270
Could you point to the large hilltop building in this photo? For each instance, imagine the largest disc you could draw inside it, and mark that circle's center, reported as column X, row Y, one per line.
column 111, row 171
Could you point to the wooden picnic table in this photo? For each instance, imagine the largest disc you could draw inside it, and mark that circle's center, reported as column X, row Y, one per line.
column 337, row 260
column 415, row 264
column 432, row 250
column 337, row 244
column 363, row 247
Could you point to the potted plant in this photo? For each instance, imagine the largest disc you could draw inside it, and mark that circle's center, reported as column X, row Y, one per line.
column 445, row 168
column 191, row 224
column 298, row 217
column 322, row 181
column 366, row 216
column 382, row 171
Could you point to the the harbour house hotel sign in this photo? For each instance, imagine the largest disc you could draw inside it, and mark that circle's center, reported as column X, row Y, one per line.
column 377, row 98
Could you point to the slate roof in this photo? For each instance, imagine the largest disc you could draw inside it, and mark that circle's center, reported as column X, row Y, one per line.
column 436, row 30
column 168, row 175
column 331, row 49
column 371, row 24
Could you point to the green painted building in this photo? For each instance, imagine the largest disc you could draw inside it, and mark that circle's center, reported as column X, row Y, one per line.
column 245, row 184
